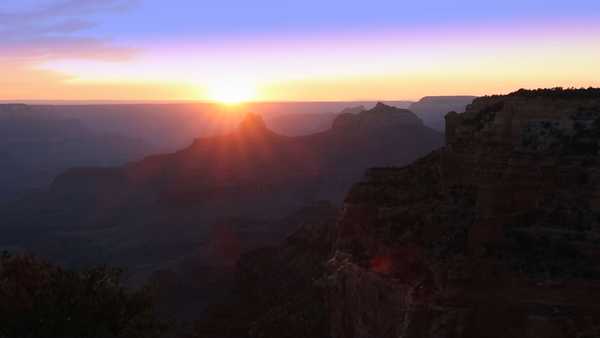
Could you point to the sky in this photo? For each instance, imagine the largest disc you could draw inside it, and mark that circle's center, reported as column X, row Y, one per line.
column 279, row 50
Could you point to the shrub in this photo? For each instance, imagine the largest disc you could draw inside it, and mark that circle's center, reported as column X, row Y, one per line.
column 38, row 299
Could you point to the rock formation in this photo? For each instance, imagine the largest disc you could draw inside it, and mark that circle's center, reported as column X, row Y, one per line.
column 495, row 235
column 381, row 116
column 156, row 211
column 254, row 160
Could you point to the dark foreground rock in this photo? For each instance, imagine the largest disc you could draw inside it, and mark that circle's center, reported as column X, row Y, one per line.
column 279, row 291
column 495, row 235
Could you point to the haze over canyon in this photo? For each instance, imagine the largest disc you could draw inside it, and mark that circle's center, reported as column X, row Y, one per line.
column 294, row 169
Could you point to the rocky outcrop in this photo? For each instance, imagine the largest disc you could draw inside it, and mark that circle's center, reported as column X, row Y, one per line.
column 381, row 116
column 495, row 235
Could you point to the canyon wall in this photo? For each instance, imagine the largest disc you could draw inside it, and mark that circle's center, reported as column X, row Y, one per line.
column 495, row 235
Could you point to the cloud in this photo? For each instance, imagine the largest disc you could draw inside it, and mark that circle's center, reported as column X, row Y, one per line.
column 57, row 30
column 29, row 31
column 61, row 9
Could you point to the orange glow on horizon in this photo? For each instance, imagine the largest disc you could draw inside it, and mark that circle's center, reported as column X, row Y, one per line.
column 391, row 68
column 231, row 93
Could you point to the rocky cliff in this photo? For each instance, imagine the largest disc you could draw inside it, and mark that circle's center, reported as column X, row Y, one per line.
column 495, row 235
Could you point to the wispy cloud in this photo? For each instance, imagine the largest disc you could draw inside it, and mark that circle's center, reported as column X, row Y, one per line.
column 57, row 30
column 57, row 10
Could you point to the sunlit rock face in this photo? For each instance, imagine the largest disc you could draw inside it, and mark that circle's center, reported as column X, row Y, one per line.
column 495, row 235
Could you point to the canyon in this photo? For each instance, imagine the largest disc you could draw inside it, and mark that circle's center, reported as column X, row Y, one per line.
column 496, row 234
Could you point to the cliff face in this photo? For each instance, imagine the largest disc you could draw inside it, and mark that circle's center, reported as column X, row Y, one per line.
column 495, row 235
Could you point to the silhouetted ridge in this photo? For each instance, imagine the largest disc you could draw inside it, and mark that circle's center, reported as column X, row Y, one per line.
column 380, row 116
column 558, row 92
column 380, row 106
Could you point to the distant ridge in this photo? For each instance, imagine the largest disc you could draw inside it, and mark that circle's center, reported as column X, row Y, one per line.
column 171, row 200
column 380, row 116
column 431, row 109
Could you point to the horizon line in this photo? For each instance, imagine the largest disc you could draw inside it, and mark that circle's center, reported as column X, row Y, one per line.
column 107, row 102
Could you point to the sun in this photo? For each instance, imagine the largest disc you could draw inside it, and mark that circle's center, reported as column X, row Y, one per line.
column 231, row 92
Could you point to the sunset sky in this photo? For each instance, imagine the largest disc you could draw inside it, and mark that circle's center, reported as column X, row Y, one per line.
column 278, row 50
